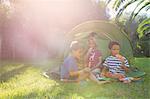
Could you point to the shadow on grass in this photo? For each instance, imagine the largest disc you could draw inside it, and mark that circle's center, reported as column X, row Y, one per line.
column 9, row 74
column 87, row 90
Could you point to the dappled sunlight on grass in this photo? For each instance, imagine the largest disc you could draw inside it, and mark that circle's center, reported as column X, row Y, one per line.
column 30, row 84
column 9, row 67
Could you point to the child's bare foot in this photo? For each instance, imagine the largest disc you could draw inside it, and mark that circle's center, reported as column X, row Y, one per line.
column 127, row 81
column 45, row 74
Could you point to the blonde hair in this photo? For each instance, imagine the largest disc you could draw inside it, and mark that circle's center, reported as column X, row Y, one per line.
column 75, row 45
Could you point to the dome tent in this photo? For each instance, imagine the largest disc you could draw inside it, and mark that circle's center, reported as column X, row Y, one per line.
column 105, row 32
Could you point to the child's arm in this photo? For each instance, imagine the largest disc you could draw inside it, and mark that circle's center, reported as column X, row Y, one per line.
column 122, row 59
column 77, row 73
column 86, row 63
column 97, row 65
column 74, row 73
column 124, row 67
column 105, row 67
column 104, row 70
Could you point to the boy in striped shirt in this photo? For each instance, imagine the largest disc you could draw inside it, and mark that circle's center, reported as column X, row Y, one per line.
column 116, row 64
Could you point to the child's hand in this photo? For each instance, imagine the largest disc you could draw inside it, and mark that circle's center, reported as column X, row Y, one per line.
column 87, row 69
column 102, row 74
column 120, row 57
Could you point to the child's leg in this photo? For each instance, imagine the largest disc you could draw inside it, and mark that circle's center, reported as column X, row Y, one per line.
column 83, row 75
column 120, row 77
column 93, row 78
column 95, row 71
column 115, row 75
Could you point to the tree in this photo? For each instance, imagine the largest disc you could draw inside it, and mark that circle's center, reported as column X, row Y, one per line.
column 133, row 17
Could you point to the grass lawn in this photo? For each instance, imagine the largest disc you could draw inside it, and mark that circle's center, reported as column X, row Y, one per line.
column 18, row 81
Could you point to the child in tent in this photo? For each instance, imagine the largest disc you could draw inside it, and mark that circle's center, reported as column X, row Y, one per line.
column 93, row 56
column 116, row 64
column 69, row 69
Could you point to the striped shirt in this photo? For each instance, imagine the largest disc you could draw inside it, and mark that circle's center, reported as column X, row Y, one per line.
column 114, row 64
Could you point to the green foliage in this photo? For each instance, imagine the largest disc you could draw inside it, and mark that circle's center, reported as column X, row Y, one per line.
column 123, row 9
column 144, row 28
column 133, row 12
column 145, row 5
column 131, row 26
column 117, row 4
column 144, row 42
